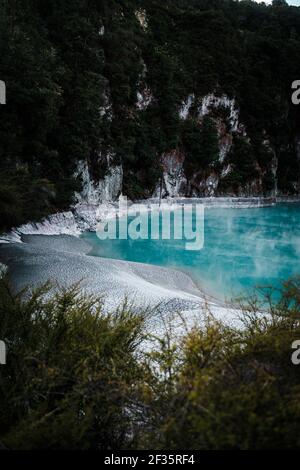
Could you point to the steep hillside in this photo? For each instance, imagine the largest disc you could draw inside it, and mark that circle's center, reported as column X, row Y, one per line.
column 181, row 97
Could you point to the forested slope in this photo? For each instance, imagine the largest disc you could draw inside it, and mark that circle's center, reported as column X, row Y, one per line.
column 189, row 97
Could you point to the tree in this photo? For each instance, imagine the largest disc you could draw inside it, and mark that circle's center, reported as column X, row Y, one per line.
column 201, row 142
column 209, row 142
column 279, row 3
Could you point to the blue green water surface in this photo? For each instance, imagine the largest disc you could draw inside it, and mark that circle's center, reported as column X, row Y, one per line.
column 243, row 248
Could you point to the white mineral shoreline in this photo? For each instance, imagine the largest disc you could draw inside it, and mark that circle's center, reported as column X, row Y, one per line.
column 64, row 261
column 85, row 217
column 52, row 250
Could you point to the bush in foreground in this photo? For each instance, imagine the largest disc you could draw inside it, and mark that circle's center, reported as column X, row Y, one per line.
column 230, row 388
column 78, row 378
column 72, row 373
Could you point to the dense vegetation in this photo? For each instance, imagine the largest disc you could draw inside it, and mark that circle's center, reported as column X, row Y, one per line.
column 78, row 378
column 66, row 62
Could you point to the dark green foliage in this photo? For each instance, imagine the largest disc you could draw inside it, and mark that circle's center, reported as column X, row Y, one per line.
column 72, row 378
column 77, row 378
column 227, row 388
column 17, row 192
column 60, row 71
column 243, row 164
column 200, row 142
column 209, row 142
column 51, row 61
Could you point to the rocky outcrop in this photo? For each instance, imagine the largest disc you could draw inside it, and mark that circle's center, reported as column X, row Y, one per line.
column 225, row 113
column 56, row 224
column 105, row 110
column 211, row 102
column 184, row 111
column 173, row 182
column 106, row 189
column 144, row 98
column 141, row 16
column 3, row 270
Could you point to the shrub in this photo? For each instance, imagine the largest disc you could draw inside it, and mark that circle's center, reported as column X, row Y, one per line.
column 236, row 388
column 82, row 379
column 72, row 375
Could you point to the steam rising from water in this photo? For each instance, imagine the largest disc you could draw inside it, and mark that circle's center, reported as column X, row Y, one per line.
column 243, row 248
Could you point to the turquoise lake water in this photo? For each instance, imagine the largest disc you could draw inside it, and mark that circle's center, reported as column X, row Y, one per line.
column 243, row 248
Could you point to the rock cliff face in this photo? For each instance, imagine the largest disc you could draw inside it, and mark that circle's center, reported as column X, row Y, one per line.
column 173, row 182
column 225, row 113
column 95, row 191
column 176, row 177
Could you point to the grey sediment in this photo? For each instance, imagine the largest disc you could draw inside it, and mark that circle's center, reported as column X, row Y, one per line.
column 63, row 261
